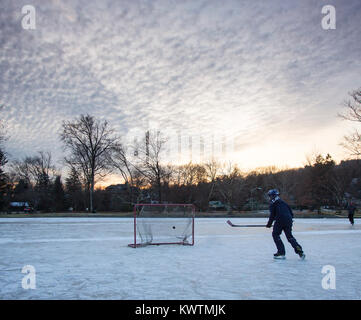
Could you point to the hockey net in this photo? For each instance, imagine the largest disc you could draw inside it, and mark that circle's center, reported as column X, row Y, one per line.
column 157, row 224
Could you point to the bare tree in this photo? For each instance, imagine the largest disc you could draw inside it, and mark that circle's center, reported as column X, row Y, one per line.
column 2, row 138
column 2, row 128
column 229, row 184
column 186, row 178
column 3, row 157
column 150, row 163
column 91, row 144
column 41, row 167
column 3, row 178
column 34, row 169
column 286, row 183
column 212, row 168
column 3, row 161
column 352, row 142
column 121, row 163
column 186, row 175
column 38, row 173
column 132, row 178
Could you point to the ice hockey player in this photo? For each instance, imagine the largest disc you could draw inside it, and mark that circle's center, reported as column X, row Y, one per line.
column 282, row 214
column 351, row 208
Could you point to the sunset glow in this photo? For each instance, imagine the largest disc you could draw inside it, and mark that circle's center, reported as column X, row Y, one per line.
column 255, row 83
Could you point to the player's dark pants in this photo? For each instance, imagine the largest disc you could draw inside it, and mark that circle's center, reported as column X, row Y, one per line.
column 287, row 229
column 350, row 217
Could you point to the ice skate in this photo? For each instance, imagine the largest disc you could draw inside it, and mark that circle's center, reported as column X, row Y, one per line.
column 279, row 256
column 300, row 252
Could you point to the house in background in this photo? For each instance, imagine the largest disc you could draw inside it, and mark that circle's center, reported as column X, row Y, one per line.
column 216, row 205
column 19, row 207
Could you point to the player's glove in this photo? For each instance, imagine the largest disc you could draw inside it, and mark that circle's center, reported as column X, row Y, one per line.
column 269, row 225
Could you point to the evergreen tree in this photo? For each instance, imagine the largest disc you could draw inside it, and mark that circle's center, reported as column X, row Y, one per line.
column 43, row 189
column 3, row 180
column 58, row 194
column 22, row 190
column 320, row 176
column 74, row 191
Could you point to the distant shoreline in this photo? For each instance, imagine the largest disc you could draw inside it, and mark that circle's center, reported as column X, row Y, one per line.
column 217, row 214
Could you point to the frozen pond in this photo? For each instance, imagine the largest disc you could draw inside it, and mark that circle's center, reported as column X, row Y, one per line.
column 88, row 258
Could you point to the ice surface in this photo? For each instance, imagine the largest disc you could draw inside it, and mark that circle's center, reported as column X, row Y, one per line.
column 88, row 258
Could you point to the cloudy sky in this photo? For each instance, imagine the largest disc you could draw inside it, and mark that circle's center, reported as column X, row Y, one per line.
column 256, row 82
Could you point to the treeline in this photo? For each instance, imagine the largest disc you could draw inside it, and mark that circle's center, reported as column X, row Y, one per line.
column 321, row 182
column 94, row 151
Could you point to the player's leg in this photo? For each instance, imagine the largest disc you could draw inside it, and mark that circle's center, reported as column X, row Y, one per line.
column 292, row 240
column 277, row 230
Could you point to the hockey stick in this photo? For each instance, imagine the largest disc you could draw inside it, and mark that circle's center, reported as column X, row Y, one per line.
column 245, row 225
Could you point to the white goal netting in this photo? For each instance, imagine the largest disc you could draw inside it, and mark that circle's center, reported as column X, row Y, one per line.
column 156, row 224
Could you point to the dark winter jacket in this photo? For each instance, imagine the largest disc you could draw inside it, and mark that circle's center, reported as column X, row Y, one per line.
column 280, row 212
column 351, row 208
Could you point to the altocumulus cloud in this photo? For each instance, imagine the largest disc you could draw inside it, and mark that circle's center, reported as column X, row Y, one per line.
column 263, row 77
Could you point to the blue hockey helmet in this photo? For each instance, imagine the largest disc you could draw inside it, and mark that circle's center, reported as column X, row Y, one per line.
column 273, row 193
